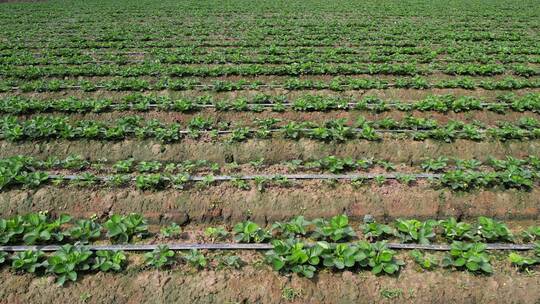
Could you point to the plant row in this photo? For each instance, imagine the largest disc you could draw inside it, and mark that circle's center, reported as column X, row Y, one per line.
column 42, row 229
column 356, row 31
column 60, row 127
column 276, row 55
column 336, row 84
column 218, row 57
column 315, row 40
column 457, row 180
column 33, row 72
column 330, row 163
column 279, row 103
column 289, row 254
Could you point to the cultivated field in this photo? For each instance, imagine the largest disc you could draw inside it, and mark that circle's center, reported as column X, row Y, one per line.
column 270, row 151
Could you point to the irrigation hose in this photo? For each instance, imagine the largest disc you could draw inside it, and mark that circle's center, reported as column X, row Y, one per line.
column 245, row 246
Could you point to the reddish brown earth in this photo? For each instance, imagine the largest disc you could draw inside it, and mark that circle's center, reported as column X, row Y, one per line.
column 225, row 203
column 257, row 283
column 272, row 150
column 247, row 118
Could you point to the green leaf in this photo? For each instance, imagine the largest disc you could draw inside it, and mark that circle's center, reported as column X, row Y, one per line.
column 377, row 269
column 472, row 266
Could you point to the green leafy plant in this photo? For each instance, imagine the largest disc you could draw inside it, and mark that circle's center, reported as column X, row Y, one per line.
column 195, row 259
column 292, row 256
column 106, row 260
column 171, row 231
column 531, row 234
column 27, row 261
column 337, row 229
column 343, row 256
column 249, row 232
column 295, row 227
column 492, row 230
column 216, row 233
column 67, row 262
column 11, row 230
column 122, row 229
column 454, row 230
column 231, row 261
column 415, row 231
column 38, row 227
column 425, row 261
column 382, row 259
column 523, row 263
column 470, row 256
column 160, row 257
column 3, row 256
column 84, row 231
column 376, row 231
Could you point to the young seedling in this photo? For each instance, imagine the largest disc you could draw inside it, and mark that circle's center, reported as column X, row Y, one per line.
column 27, row 261
column 109, row 260
column 67, row 262
column 160, row 257
column 425, row 261
column 171, row 231
column 338, row 229
column 195, row 259
column 122, row 229
column 249, row 232
column 216, row 233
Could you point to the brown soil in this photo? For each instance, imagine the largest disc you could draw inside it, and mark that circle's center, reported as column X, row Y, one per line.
column 222, row 203
column 246, row 118
column 390, row 93
column 259, row 284
column 272, row 150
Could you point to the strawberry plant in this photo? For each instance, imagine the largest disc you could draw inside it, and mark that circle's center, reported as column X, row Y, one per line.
column 376, row 231
column 492, row 230
column 296, row 227
column 530, row 234
column 343, row 256
column 122, row 229
column 523, row 263
column 415, row 231
column 67, row 262
column 249, row 232
column 292, row 256
column 160, row 257
column 27, row 261
column 84, row 231
column 11, row 230
column 469, row 256
column 123, row 166
column 435, row 165
column 109, row 260
column 425, row 261
column 216, row 233
column 38, row 227
column 337, row 229
column 195, row 259
column 230, row 261
column 171, row 231
column 454, row 230
column 382, row 259
column 149, row 181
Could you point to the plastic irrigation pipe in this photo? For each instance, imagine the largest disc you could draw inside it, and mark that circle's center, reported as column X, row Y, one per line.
column 349, row 105
column 245, row 246
column 272, row 176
